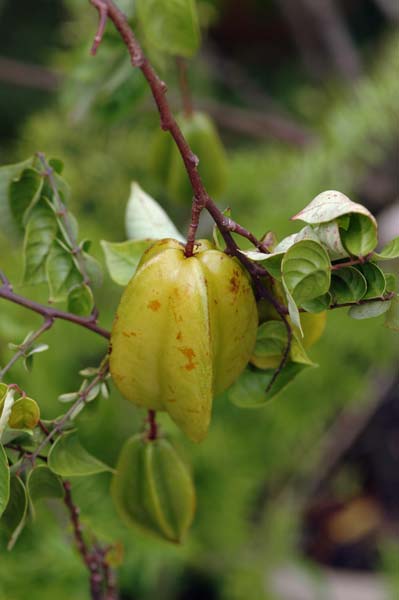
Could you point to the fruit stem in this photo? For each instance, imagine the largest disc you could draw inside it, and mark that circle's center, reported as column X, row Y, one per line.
column 153, row 425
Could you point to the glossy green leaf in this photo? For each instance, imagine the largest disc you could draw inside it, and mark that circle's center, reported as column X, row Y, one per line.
column 171, row 26
column 68, row 458
column 249, row 390
column 146, row 219
column 152, row 488
column 24, row 192
column 306, row 271
column 328, row 206
column 390, row 251
column 375, row 280
column 392, row 314
column 15, row 515
column 57, row 165
column 271, row 262
column 122, row 258
column 43, row 483
column 25, row 414
column 369, row 310
column 40, row 233
column 4, row 480
column 361, row 236
column 271, row 342
column 347, row 285
column 318, row 304
column 62, row 273
column 80, row 300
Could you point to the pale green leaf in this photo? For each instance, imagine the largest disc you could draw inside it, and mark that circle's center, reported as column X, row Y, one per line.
column 369, row 310
column 146, row 219
column 7, row 174
column 330, row 237
column 122, row 258
column 390, row 251
column 68, row 458
column 361, row 236
column 4, row 480
column 328, row 206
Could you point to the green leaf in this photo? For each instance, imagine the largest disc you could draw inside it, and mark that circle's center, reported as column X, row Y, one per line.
column 306, row 271
column 69, row 459
column 62, row 273
column 391, row 282
column 24, row 193
column 375, row 280
column 146, row 219
column 361, row 236
column 318, row 304
column 4, row 480
column 25, row 414
column 14, row 516
column 249, row 390
column 43, row 483
column 40, row 233
column 122, row 258
column 390, row 251
column 7, row 174
column 392, row 315
column 271, row 262
column 94, row 270
column 369, row 310
column 57, row 165
column 330, row 237
column 347, row 285
column 170, row 26
column 328, row 206
column 293, row 309
column 80, row 300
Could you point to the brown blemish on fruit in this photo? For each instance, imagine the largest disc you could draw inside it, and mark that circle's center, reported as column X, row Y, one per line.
column 189, row 354
column 129, row 334
column 171, row 400
column 179, row 336
column 154, row 305
column 234, row 284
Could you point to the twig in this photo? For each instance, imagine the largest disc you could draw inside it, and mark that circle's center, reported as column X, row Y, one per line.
column 385, row 298
column 89, row 558
column 152, row 433
column 48, row 322
column 52, row 313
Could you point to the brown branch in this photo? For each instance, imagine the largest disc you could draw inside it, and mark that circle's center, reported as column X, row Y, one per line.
column 89, row 558
column 50, row 313
column 152, row 432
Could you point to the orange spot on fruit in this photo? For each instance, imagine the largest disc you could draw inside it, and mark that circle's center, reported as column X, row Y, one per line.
column 189, row 354
column 179, row 336
column 154, row 305
column 234, row 285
